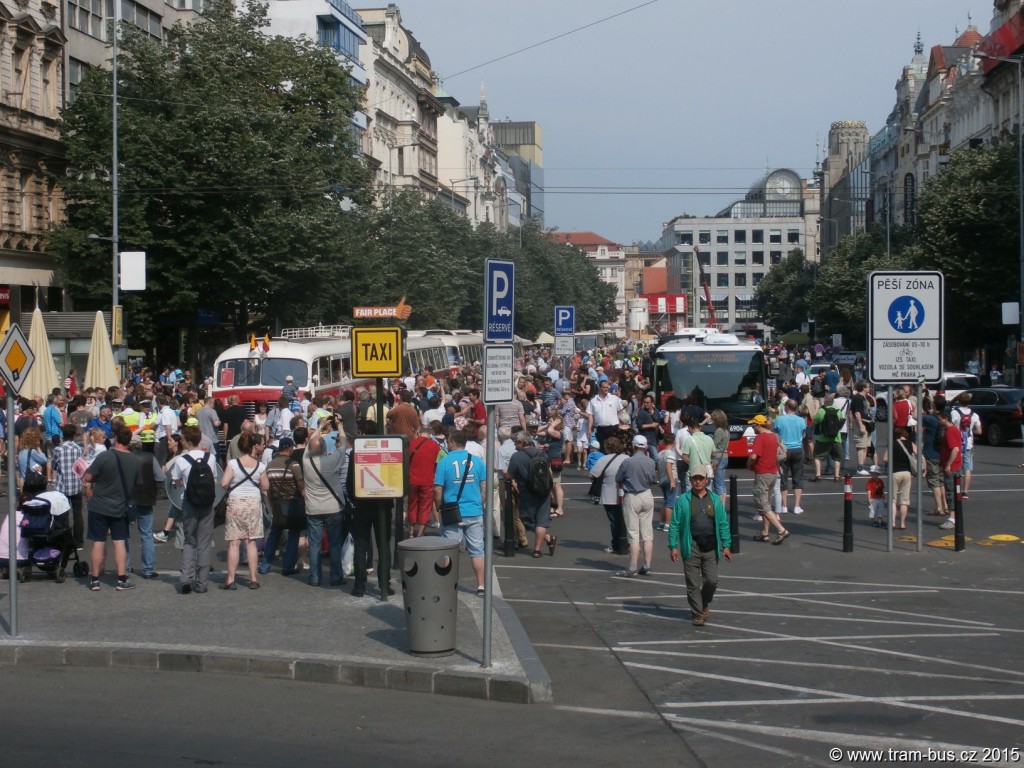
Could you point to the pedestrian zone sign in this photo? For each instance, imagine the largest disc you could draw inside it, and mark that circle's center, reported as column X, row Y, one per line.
column 905, row 327
column 15, row 358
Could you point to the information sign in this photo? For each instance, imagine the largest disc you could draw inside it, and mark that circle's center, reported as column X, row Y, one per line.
column 564, row 345
column 379, row 466
column 905, row 327
column 377, row 352
column 498, row 382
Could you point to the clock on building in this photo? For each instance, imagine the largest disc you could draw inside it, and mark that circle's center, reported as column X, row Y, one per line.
column 781, row 185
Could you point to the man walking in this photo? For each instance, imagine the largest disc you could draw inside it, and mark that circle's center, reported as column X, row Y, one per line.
column 637, row 474
column 699, row 535
column 534, row 498
column 461, row 477
column 604, row 411
column 791, row 428
column 763, row 460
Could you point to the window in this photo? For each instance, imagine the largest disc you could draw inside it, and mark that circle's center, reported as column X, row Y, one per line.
column 722, row 236
column 793, row 236
column 704, row 258
column 705, row 237
column 684, row 238
column 722, row 280
column 774, row 235
column 739, row 236
column 740, row 258
column 87, row 16
column 48, row 72
column 76, row 71
column 142, row 17
column 740, row 280
column 757, row 258
column 758, row 236
column 722, row 258
column 776, row 256
column 757, row 277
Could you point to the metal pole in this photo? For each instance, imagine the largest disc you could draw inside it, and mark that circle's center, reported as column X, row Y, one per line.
column 115, row 256
column 890, row 440
column 734, row 514
column 958, row 510
column 491, row 461
column 383, row 550
column 847, row 513
column 920, row 460
column 12, row 490
column 1020, row 199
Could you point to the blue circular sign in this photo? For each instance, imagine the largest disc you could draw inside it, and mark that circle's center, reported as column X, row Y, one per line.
column 906, row 314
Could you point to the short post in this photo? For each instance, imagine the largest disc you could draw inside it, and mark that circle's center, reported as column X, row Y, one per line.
column 622, row 542
column 734, row 514
column 847, row 513
column 959, row 543
column 508, row 519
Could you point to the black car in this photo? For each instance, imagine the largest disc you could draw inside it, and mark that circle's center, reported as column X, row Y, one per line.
column 999, row 411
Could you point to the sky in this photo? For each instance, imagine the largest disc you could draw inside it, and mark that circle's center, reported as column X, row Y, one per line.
column 662, row 107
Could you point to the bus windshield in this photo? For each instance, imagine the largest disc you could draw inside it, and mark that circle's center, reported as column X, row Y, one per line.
column 253, row 372
column 733, row 380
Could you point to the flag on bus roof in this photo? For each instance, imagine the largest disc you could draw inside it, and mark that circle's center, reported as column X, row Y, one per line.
column 252, row 341
column 266, row 342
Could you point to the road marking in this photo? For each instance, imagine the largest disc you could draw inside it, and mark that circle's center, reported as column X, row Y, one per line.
column 858, row 619
column 610, row 712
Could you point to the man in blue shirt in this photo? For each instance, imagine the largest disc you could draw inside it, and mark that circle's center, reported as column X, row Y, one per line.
column 791, row 428
column 456, row 473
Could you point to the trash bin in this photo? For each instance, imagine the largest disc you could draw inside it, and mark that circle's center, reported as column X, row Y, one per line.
column 430, row 580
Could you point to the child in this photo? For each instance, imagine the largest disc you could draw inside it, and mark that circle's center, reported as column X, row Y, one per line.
column 667, row 477
column 876, row 497
column 583, row 436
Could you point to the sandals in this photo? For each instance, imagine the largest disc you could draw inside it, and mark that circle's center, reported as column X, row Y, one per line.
column 552, row 543
column 228, row 585
column 814, row 479
column 537, row 554
column 781, row 536
column 762, row 537
column 698, row 621
column 254, row 585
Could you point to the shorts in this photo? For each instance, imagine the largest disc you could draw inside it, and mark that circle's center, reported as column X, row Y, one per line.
column 100, row 524
column 670, row 494
column 860, row 439
column 421, row 504
column 638, row 510
column 901, row 487
column 568, row 435
column 967, row 464
column 533, row 517
column 471, row 530
column 582, row 439
column 934, row 473
column 823, row 449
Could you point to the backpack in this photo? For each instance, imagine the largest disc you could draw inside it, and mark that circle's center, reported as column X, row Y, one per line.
column 199, row 491
column 965, row 425
column 538, row 481
column 817, row 387
column 831, row 424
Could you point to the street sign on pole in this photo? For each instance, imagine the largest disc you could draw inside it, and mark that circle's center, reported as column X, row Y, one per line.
column 377, row 351
column 499, row 301
column 16, row 358
column 564, row 345
column 565, row 321
column 905, row 327
column 498, row 381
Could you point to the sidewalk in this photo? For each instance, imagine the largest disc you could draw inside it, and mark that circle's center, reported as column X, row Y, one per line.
column 287, row 629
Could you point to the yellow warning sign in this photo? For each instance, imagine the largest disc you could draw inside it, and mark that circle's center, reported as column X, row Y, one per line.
column 376, row 352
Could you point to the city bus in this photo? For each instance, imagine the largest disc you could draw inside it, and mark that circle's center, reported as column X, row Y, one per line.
column 720, row 371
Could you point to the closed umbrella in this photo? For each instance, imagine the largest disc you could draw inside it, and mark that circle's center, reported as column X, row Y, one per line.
column 43, row 376
column 101, row 371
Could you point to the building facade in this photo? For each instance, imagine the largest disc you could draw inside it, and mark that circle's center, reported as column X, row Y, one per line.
column 610, row 258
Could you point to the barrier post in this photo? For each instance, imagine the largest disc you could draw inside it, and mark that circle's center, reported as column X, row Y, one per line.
column 734, row 515
column 959, row 543
column 508, row 520
column 847, row 513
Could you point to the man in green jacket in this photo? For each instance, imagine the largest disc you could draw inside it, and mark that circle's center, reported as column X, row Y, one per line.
column 699, row 531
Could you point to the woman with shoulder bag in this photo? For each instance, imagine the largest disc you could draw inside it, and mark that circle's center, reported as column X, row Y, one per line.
column 246, row 481
column 549, row 438
column 605, row 470
column 905, row 464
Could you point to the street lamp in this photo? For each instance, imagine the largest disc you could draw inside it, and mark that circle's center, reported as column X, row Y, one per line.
column 1019, row 61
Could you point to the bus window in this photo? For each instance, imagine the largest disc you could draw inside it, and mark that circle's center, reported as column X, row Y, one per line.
column 322, row 369
column 453, row 357
column 241, row 372
column 337, row 368
column 275, row 370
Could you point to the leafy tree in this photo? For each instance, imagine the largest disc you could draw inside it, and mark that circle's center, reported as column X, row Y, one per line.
column 236, row 151
column 782, row 293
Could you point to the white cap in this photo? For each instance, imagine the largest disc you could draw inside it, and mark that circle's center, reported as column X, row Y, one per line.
column 640, row 441
column 289, row 378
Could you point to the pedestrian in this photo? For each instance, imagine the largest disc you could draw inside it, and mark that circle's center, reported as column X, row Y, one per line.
column 69, row 482
column 720, row 457
column 763, row 461
column 196, row 512
column 876, row 497
column 668, row 480
column 951, row 459
column 636, row 474
column 144, row 494
column 791, row 429
column 284, row 496
column 324, row 475
column 534, row 499
column 108, row 483
column 699, row 534
column 460, row 479
column 246, row 482
column 605, row 469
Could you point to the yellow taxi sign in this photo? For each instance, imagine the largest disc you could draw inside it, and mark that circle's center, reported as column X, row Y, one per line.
column 377, row 351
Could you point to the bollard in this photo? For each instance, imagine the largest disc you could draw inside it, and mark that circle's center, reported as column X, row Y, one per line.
column 847, row 514
column 734, row 514
column 958, row 510
column 622, row 542
column 509, row 520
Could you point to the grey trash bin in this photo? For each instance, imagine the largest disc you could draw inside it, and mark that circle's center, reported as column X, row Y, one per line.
column 430, row 580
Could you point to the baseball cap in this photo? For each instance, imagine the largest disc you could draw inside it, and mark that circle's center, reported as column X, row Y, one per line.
column 874, row 469
column 640, row 441
column 289, row 378
column 760, row 420
column 699, row 470
column 285, row 442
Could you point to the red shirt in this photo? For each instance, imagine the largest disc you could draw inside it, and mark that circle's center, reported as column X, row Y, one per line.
column 422, row 460
column 876, row 488
column 901, row 413
column 951, row 440
column 765, row 446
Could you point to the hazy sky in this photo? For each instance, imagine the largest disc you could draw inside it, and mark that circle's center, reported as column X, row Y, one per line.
column 683, row 104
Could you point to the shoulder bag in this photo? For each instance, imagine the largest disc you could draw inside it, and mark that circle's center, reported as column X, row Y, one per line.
column 781, row 454
column 131, row 511
column 450, row 513
column 915, row 464
column 334, row 493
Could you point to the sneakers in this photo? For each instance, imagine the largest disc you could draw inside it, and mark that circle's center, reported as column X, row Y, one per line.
column 948, row 525
column 863, row 472
column 263, row 569
column 628, row 573
column 123, row 585
column 645, row 571
column 94, row 585
column 160, row 537
column 798, row 510
column 758, row 518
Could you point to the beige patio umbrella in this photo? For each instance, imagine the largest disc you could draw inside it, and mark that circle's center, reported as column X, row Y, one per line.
column 101, row 371
column 545, row 338
column 43, row 376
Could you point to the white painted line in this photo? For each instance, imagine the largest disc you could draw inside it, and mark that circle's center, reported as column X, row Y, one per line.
column 610, row 712
column 835, row 700
column 883, row 586
column 794, row 757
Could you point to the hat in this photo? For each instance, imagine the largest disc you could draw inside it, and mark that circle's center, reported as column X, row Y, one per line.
column 191, row 421
column 285, row 442
column 875, row 469
column 289, row 378
column 760, row 420
column 640, row 441
column 699, row 470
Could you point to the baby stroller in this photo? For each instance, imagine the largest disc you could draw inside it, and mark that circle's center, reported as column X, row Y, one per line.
column 46, row 526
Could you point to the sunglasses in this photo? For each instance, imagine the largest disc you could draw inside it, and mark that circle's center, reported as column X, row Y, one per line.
column 697, row 477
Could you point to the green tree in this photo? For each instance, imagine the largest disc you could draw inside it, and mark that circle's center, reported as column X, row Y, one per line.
column 236, row 153
column 782, row 295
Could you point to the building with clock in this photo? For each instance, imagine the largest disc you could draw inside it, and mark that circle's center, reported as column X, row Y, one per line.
column 735, row 248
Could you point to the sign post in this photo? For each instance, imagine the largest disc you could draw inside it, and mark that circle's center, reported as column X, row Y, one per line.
column 16, row 359
column 905, row 343
column 499, row 329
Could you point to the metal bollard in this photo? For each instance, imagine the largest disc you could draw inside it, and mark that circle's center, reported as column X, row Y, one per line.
column 959, row 543
column 847, row 514
column 509, row 520
column 734, row 514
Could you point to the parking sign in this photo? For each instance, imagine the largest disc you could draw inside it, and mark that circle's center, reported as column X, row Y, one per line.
column 565, row 321
column 499, row 301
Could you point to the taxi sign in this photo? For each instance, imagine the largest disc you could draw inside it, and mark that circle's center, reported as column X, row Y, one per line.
column 377, row 352
column 16, row 358
column 379, row 466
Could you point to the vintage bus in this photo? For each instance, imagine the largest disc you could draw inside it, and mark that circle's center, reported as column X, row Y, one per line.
column 720, row 371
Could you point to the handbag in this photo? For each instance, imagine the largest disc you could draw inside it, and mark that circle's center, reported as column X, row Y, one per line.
column 450, row 512
column 131, row 510
column 913, row 458
column 781, row 454
column 597, row 482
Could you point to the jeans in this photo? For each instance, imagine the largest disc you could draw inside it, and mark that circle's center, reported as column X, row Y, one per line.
column 144, row 521
column 719, row 480
column 365, row 528
column 291, row 549
column 335, row 525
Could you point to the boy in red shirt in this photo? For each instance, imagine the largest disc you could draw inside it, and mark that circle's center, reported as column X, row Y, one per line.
column 876, row 497
column 951, row 457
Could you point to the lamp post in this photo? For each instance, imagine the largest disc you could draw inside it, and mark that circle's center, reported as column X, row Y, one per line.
column 1019, row 61
column 116, row 324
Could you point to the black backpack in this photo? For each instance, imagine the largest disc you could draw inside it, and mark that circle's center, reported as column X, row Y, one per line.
column 831, row 423
column 538, row 481
column 817, row 387
column 199, row 491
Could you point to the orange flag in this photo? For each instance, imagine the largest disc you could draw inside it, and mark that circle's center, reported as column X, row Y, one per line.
column 266, row 342
column 252, row 341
